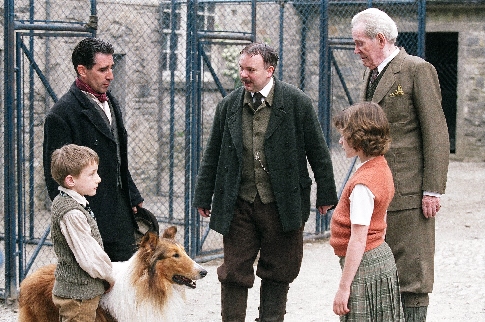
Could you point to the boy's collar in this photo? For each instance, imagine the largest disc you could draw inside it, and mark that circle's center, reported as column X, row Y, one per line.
column 74, row 195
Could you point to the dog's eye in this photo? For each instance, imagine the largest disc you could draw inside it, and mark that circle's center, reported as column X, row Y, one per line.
column 176, row 255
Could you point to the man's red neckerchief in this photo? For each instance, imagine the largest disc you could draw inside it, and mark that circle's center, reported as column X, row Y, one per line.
column 102, row 97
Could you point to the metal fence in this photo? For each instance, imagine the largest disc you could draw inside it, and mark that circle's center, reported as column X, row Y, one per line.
column 174, row 61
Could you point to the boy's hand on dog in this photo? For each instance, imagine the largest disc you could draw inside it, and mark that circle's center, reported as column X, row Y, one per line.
column 204, row 212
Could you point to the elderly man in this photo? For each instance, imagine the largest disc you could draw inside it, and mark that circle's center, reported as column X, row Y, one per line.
column 408, row 90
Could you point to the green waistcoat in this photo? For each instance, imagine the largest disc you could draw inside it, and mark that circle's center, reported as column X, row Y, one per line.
column 71, row 281
column 255, row 177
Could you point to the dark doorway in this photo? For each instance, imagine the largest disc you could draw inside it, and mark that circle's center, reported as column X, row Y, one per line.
column 441, row 50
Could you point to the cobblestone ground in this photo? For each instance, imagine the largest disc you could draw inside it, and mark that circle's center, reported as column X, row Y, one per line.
column 459, row 293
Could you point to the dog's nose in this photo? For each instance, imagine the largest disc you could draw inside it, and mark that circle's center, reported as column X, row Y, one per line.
column 203, row 273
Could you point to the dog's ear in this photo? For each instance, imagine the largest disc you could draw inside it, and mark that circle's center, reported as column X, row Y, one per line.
column 170, row 232
column 149, row 240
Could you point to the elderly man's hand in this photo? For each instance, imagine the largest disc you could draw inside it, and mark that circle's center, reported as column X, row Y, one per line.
column 431, row 205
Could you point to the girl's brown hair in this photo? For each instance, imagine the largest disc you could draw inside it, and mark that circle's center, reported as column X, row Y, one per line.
column 365, row 127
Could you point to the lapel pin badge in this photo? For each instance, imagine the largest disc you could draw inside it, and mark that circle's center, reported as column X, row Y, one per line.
column 397, row 92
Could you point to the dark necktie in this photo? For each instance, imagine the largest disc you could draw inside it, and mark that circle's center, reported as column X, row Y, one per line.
column 257, row 98
column 371, row 86
column 373, row 75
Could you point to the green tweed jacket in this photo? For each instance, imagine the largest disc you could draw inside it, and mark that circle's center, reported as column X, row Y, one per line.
column 293, row 136
column 409, row 92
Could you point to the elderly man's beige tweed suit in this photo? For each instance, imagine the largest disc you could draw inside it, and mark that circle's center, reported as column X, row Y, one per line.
column 410, row 95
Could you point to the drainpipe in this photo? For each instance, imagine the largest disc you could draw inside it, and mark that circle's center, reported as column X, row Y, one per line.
column 9, row 153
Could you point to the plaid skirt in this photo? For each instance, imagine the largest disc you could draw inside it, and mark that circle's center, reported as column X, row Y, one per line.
column 374, row 293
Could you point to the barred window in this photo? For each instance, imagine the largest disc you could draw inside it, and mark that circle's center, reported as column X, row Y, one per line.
column 171, row 34
column 205, row 16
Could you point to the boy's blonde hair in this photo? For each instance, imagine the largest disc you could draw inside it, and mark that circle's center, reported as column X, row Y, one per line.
column 71, row 159
column 365, row 127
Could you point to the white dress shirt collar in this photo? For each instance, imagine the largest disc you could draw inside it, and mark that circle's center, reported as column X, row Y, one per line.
column 265, row 91
column 387, row 60
column 75, row 195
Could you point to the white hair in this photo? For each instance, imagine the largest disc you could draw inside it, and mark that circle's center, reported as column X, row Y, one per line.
column 375, row 22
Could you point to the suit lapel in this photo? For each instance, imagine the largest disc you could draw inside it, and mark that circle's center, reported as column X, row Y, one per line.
column 235, row 124
column 278, row 114
column 385, row 84
column 89, row 109
column 388, row 79
column 116, row 113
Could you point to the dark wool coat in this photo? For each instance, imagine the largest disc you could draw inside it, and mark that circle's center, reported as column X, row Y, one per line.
column 75, row 119
column 293, row 136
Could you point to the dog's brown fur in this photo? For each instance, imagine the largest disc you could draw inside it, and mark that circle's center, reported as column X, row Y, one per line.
column 35, row 298
column 161, row 259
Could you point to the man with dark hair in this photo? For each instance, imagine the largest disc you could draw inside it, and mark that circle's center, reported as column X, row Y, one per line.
column 254, row 183
column 89, row 115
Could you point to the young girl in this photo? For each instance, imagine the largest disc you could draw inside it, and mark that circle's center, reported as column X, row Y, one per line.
column 368, row 289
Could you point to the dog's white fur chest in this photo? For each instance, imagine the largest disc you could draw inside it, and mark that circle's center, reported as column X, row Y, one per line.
column 124, row 305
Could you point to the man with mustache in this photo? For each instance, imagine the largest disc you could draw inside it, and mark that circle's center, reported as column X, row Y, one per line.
column 89, row 115
column 254, row 183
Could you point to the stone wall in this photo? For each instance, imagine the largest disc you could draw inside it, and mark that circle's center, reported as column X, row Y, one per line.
column 467, row 20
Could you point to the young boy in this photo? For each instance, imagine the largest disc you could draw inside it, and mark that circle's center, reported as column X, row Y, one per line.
column 83, row 270
column 368, row 289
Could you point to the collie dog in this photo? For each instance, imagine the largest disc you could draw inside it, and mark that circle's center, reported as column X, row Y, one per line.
column 150, row 286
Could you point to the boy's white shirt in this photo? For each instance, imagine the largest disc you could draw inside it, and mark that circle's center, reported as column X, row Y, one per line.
column 88, row 253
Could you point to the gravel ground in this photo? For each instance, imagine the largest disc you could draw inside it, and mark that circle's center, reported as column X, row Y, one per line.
column 459, row 293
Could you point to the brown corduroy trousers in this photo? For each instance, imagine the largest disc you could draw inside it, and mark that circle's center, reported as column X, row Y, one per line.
column 256, row 227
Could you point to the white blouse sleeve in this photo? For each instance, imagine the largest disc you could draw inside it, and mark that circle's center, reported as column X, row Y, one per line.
column 361, row 205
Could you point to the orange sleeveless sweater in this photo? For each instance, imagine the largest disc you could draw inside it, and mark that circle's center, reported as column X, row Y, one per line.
column 375, row 175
